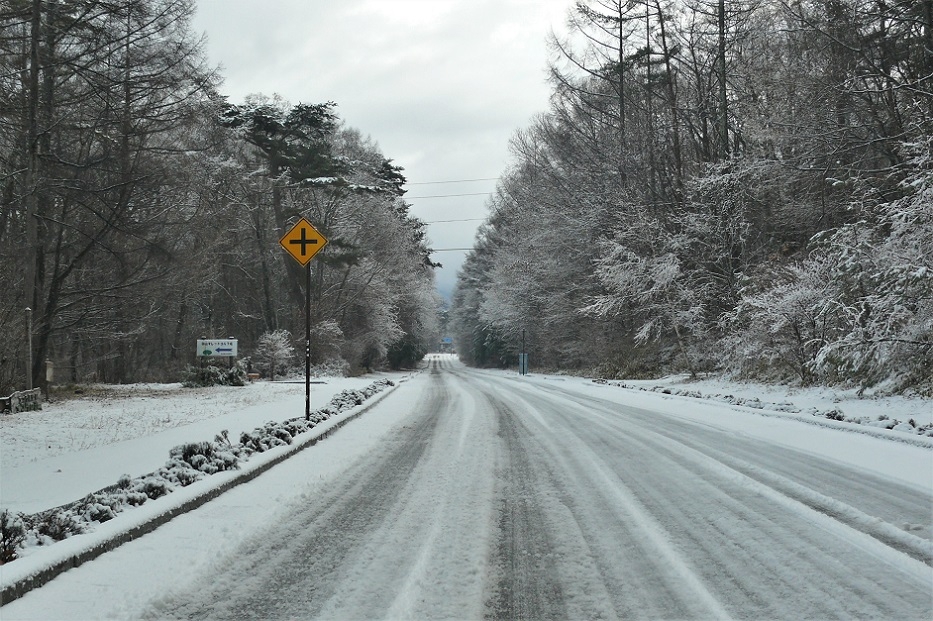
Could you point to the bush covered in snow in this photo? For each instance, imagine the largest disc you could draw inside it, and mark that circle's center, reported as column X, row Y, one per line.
column 206, row 457
column 12, row 535
column 274, row 434
column 54, row 525
column 334, row 367
column 266, row 437
column 210, row 375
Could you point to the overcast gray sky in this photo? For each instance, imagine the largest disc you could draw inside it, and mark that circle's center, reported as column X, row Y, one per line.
column 440, row 85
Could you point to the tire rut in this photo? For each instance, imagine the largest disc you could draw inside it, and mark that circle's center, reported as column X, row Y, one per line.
column 301, row 572
column 526, row 586
column 829, row 493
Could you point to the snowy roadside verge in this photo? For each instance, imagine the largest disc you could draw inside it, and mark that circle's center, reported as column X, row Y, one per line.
column 43, row 563
column 831, row 418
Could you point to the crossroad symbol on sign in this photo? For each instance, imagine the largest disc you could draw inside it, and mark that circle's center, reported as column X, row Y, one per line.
column 303, row 241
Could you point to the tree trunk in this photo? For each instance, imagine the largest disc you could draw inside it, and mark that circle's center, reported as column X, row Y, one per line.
column 33, row 284
column 621, row 98
column 723, row 97
column 683, row 350
column 265, row 272
column 179, row 325
column 928, row 49
column 649, row 105
column 672, row 99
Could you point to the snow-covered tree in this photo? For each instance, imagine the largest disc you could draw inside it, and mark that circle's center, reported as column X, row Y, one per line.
column 882, row 267
column 274, row 352
column 781, row 323
column 859, row 310
column 655, row 292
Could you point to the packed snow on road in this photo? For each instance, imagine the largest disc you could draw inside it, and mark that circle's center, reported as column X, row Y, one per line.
column 466, row 494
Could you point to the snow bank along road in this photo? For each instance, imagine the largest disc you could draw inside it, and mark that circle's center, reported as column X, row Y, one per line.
column 468, row 495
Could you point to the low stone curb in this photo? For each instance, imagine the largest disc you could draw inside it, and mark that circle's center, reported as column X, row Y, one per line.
column 19, row 588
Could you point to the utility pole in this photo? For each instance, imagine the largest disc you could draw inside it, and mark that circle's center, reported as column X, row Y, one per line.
column 28, row 348
column 523, row 361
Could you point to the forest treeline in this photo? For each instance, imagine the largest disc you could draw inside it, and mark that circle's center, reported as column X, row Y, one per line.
column 719, row 186
column 141, row 210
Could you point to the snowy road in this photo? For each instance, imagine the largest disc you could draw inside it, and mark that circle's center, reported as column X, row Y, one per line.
column 487, row 496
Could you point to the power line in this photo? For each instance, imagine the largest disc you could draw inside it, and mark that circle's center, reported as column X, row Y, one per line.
column 433, row 250
column 451, row 181
column 447, row 195
column 463, row 220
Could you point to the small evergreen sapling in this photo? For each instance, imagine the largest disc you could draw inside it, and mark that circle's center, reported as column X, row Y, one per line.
column 275, row 351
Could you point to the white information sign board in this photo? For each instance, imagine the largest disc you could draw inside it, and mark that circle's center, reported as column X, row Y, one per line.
column 214, row 348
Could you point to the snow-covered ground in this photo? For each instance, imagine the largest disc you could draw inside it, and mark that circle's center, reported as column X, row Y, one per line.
column 884, row 412
column 99, row 415
column 77, row 446
column 812, row 401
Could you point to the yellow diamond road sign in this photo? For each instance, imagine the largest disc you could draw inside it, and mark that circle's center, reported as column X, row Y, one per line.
column 303, row 241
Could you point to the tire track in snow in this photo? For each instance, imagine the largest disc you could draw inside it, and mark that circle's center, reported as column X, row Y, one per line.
column 641, row 575
column 567, row 548
column 735, row 504
column 294, row 567
column 813, row 482
column 526, row 585
column 441, row 527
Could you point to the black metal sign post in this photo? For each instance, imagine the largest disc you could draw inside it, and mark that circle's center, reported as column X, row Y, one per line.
column 303, row 241
column 308, row 343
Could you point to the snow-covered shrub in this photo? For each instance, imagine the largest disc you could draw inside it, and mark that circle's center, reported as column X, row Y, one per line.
column 274, row 434
column 12, row 535
column 334, row 367
column 235, row 375
column 655, row 291
column 135, row 498
column 180, row 473
column 781, row 322
column 266, row 437
column 295, row 426
column 57, row 524
column 835, row 414
column 127, row 490
column 190, row 462
column 210, row 375
column 99, row 507
column 326, row 340
column 195, row 376
column 883, row 268
column 206, row 457
column 153, row 486
column 859, row 309
column 884, row 422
